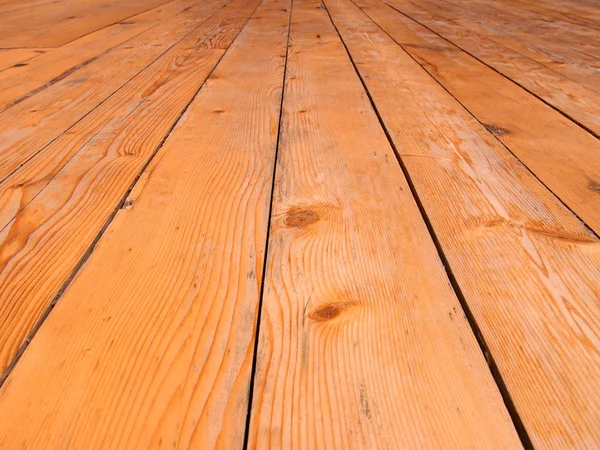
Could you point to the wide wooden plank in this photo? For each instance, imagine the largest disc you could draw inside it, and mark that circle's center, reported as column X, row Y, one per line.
column 10, row 57
column 578, row 102
column 53, row 208
column 528, row 269
column 28, row 27
column 560, row 153
column 30, row 125
column 357, row 348
column 159, row 353
column 17, row 82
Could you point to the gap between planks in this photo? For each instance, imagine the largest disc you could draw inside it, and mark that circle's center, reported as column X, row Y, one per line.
column 37, row 81
column 122, row 203
column 559, row 226
column 485, row 350
column 269, row 226
column 526, row 166
column 102, row 101
column 539, row 97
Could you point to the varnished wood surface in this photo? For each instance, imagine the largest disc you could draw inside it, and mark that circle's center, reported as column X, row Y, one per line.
column 417, row 181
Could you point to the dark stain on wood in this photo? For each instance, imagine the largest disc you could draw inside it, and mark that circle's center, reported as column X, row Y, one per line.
column 496, row 130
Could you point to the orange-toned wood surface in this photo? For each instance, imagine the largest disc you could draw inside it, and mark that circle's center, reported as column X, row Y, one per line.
column 55, row 23
column 344, row 297
column 480, row 201
column 299, row 224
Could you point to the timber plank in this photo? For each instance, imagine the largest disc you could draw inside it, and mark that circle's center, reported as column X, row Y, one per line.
column 536, row 15
column 53, row 208
column 159, row 353
column 577, row 101
column 560, row 153
column 356, row 348
column 528, row 269
column 17, row 82
column 28, row 126
column 575, row 54
column 28, row 27
column 10, row 57
column 14, row 5
column 580, row 9
column 557, row 12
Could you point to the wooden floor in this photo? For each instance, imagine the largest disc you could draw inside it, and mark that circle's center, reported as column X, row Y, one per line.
column 299, row 224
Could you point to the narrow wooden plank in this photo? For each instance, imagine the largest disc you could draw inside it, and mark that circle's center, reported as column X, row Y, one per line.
column 67, row 193
column 560, row 153
column 159, row 353
column 28, row 126
column 577, row 101
column 10, row 57
column 29, row 27
column 528, row 269
column 17, row 82
column 358, row 348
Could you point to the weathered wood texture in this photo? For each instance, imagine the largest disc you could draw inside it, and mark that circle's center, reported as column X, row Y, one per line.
column 579, row 102
column 36, row 74
column 437, row 184
column 18, row 57
column 63, row 197
column 30, row 125
column 69, row 20
column 165, row 353
column 356, row 348
column 559, row 152
column 527, row 267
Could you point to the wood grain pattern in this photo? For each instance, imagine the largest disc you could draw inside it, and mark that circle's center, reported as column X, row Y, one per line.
column 15, row 5
column 165, row 351
column 568, row 96
column 11, row 57
column 524, row 18
column 528, row 269
column 28, row 27
column 559, row 13
column 53, row 208
column 32, row 124
column 579, row 11
column 17, row 82
column 560, row 153
column 357, row 349
column 575, row 56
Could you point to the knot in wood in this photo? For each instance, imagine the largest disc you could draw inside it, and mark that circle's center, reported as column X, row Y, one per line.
column 300, row 218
